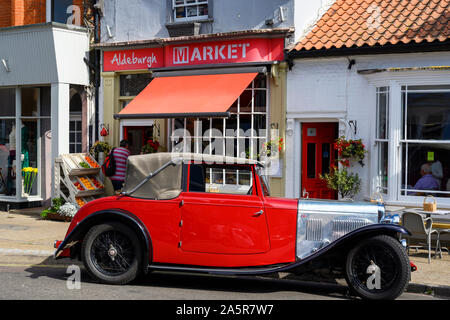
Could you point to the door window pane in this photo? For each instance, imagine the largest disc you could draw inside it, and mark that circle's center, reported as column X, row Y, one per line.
column 311, row 160
column 326, row 158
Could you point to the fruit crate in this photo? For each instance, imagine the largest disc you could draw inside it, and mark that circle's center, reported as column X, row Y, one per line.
column 72, row 181
column 80, row 164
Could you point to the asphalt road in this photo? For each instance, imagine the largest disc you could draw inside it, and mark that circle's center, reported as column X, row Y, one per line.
column 29, row 281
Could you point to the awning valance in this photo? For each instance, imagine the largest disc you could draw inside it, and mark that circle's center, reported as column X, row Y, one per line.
column 187, row 96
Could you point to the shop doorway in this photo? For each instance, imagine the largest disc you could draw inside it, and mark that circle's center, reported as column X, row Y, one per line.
column 137, row 137
column 317, row 155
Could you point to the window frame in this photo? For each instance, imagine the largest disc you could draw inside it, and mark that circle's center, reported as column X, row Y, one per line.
column 196, row 3
column 396, row 126
column 223, row 167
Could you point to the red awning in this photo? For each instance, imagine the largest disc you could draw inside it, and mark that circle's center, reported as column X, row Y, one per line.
column 187, row 96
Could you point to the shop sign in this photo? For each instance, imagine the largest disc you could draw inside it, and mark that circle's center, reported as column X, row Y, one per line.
column 133, row 59
column 213, row 52
column 234, row 51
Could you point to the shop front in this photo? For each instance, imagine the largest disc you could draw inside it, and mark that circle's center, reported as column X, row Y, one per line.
column 217, row 95
column 35, row 104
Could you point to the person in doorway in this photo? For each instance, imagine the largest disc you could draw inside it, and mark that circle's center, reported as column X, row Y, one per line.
column 427, row 181
column 120, row 155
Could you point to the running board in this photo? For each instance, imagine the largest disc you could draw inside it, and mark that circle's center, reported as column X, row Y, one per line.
column 219, row 271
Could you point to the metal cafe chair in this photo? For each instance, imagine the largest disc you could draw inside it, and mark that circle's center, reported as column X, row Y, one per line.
column 420, row 227
column 439, row 248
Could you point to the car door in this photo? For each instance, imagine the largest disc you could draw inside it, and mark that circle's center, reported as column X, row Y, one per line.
column 222, row 212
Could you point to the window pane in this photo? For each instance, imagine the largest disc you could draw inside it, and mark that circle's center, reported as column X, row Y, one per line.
column 30, row 98
column 60, row 10
column 7, row 102
column 382, row 171
column 382, row 114
column 45, row 101
column 246, row 101
column 133, row 84
column 180, row 12
column 203, row 10
column 259, row 123
column 8, row 157
column 191, row 11
column 426, row 167
column 260, row 100
column 260, row 81
column 428, row 116
column 29, row 152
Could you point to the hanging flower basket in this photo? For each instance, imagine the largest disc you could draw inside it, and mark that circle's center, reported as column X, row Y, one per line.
column 350, row 150
column 151, row 146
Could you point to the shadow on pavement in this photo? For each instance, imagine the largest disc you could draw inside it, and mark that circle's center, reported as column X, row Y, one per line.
column 58, row 270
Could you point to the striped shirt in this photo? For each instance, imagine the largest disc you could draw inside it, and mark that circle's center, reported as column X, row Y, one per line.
column 120, row 155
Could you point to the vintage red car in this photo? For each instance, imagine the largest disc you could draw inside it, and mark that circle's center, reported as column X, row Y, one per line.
column 213, row 214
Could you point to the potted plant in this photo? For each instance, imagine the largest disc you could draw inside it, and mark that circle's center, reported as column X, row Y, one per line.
column 340, row 179
column 53, row 213
column 346, row 184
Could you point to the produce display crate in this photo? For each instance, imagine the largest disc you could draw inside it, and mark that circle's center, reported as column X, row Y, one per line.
column 73, row 163
column 77, row 183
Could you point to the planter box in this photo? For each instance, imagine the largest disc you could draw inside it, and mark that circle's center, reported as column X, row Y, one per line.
column 57, row 217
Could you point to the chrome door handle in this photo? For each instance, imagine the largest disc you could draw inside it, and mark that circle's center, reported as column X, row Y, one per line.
column 257, row 214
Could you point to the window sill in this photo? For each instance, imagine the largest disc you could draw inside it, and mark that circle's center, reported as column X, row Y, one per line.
column 185, row 28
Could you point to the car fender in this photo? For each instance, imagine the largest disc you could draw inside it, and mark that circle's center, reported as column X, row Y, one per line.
column 118, row 215
column 353, row 236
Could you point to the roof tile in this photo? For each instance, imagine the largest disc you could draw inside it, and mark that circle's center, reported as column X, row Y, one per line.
column 350, row 23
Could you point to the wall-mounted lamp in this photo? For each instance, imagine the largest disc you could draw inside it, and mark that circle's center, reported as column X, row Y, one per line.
column 353, row 124
column 5, row 64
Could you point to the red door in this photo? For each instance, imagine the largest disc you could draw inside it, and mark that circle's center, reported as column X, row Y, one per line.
column 317, row 155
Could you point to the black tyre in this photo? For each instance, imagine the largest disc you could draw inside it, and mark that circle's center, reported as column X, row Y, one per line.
column 394, row 269
column 112, row 253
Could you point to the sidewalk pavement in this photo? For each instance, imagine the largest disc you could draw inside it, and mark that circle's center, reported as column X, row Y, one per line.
column 26, row 238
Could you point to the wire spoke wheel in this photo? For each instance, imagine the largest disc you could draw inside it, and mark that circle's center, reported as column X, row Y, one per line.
column 378, row 268
column 112, row 253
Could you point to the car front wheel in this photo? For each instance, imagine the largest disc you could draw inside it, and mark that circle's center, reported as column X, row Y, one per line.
column 378, row 268
column 112, row 253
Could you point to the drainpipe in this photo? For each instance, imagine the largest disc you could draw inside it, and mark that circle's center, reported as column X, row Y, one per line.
column 97, row 74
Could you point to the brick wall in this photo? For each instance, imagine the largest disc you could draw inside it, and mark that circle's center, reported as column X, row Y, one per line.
column 5, row 13
column 24, row 12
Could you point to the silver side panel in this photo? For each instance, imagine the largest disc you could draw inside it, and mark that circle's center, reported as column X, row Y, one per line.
column 320, row 222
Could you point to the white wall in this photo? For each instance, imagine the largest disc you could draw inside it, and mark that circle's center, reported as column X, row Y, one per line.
column 324, row 89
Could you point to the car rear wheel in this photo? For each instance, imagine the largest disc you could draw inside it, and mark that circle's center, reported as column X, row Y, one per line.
column 112, row 253
column 378, row 268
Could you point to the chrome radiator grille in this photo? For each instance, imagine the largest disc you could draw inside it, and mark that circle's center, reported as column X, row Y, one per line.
column 342, row 227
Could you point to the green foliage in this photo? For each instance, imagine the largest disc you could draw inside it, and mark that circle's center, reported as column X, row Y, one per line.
column 345, row 183
column 56, row 204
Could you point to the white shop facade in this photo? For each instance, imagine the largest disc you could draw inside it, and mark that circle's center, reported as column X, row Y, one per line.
column 44, row 107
